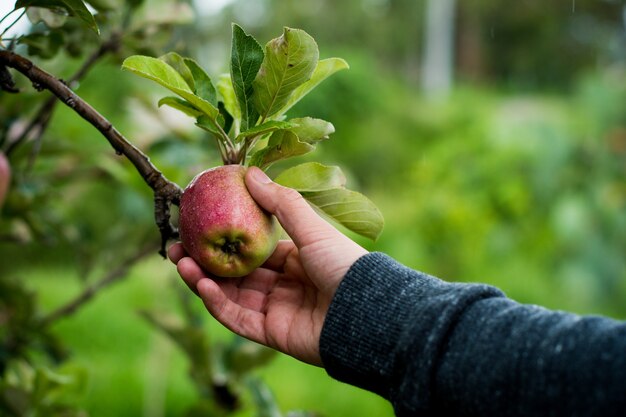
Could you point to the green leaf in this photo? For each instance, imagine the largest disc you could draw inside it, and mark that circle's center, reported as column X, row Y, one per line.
column 210, row 125
column 289, row 62
column 262, row 398
column 352, row 210
column 301, row 413
column 227, row 92
column 203, row 86
column 324, row 69
column 245, row 61
column 312, row 130
column 323, row 187
column 47, row 382
column 264, row 128
column 160, row 15
column 44, row 46
column 311, row 177
column 51, row 18
column 105, row 5
column 180, row 104
column 157, row 70
column 74, row 7
column 228, row 118
column 162, row 73
column 242, row 356
column 283, row 144
column 177, row 62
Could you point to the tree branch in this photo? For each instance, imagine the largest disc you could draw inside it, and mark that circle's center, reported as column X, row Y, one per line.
column 39, row 123
column 88, row 293
column 166, row 192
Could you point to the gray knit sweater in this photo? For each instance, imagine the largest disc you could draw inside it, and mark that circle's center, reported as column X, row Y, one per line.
column 434, row 348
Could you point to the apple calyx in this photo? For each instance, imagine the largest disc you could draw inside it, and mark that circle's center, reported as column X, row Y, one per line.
column 231, row 247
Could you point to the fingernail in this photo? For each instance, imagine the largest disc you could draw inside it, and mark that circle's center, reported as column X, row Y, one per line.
column 260, row 176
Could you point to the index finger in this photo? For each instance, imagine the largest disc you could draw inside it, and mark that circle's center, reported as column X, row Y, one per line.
column 176, row 252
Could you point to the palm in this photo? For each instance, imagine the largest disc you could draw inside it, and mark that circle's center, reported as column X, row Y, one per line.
column 276, row 305
column 294, row 314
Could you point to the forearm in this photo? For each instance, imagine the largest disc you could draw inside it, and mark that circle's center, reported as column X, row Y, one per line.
column 531, row 361
column 431, row 346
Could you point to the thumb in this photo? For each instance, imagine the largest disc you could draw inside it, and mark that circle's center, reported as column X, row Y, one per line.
column 296, row 216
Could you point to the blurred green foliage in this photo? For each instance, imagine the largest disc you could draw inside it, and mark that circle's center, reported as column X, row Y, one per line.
column 517, row 178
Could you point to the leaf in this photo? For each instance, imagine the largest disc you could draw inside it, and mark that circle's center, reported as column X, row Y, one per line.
column 210, row 125
column 245, row 60
column 352, row 210
column 228, row 118
column 312, row 130
column 323, row 187
column 47, row 384
column 227, row 92
column 262, row 398
column 180, row 104
column 324, row 69
column 203, row 86
column 282, row 144
column 242, row 356
column 51, row 18
column 159, row 71
column 74, row 7
column 289, row 62
column 44, row 46
column 311, row 177
column 264, row 128
column 105, row 5
column 161, row 15
column 176, row 61
column 301, row 413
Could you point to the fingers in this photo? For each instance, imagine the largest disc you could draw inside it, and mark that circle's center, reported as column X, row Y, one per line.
column 298, row 219
column 237, row 304
column 176, row 252
column 191, row 272
column 245, row 322
column 276, row 261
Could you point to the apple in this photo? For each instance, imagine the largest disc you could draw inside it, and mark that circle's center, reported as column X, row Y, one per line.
column 5, row 177
column 221, row 227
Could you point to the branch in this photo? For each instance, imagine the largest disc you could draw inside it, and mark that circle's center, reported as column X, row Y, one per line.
column 166, row 192
column 43, row 116
column 88, row 293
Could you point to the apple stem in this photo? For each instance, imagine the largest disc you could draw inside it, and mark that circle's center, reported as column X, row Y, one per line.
column 222, row 150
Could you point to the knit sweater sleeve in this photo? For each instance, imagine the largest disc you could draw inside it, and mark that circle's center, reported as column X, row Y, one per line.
column 434, row 348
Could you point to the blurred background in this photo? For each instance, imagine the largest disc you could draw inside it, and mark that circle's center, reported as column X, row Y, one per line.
column 492, row 138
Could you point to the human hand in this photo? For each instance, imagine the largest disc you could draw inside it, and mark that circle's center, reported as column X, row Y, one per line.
column 283, row 303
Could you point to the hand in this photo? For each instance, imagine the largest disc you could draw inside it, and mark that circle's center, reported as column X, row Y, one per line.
column 283, row 303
